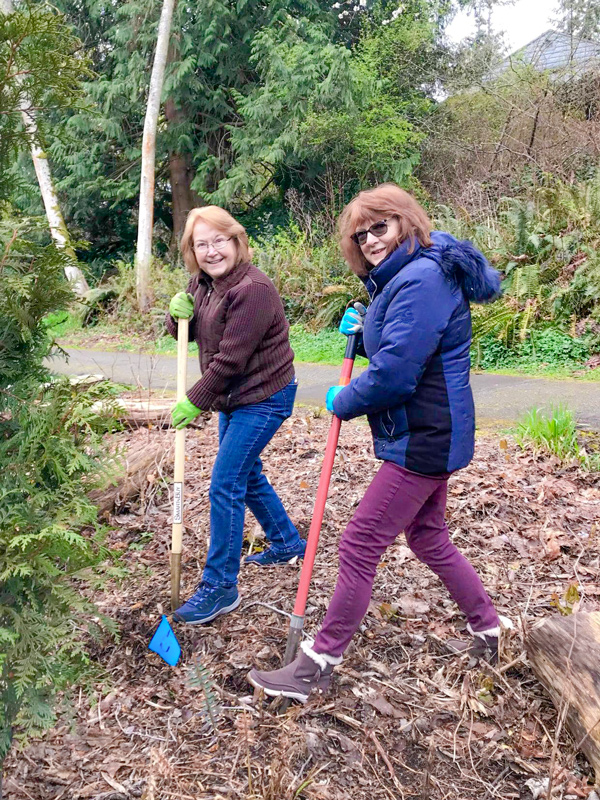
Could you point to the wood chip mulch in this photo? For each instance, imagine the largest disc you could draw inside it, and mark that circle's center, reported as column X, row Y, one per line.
column 404, row 719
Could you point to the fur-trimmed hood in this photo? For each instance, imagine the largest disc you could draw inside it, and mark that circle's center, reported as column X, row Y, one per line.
column 460, row 261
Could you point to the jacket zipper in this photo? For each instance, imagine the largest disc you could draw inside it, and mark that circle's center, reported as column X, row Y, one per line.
column 371, row 295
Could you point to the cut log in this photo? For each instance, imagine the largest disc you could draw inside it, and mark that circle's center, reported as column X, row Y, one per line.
column 139, row 470
column 565, row 655
column 134, row 413
column 144, row 413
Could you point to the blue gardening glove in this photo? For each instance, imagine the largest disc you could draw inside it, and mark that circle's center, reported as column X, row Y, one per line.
column 332, row 393
column 181, row 306
column 353, row 320
column 183, row 413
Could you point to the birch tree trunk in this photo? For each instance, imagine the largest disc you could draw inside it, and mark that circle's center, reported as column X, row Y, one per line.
column 143, row 255
column 56, row 222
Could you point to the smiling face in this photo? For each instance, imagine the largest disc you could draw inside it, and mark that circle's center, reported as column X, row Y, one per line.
column 377, row 246
column 216, row 253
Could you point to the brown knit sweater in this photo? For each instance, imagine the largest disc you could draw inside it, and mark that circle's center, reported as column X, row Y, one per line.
column 243, row 338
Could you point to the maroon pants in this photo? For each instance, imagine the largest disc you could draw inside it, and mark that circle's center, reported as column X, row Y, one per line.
column 398, row 500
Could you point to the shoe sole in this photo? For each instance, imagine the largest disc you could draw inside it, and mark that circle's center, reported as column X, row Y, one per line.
column 218, row 613
column 302, row 698
column 292, row 560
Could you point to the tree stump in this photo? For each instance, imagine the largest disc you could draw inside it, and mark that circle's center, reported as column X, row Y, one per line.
column 565, row 655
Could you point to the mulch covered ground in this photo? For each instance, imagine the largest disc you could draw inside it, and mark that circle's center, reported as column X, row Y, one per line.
column 405, row 719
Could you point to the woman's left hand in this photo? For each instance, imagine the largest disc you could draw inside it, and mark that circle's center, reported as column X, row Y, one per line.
column 353, row 320
column 332, row 392
column 183, row 413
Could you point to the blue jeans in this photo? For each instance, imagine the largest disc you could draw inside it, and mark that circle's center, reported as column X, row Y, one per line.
column 238, row 480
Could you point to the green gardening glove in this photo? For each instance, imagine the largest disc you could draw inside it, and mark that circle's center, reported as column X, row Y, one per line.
column 183, row 413
column 181, row 306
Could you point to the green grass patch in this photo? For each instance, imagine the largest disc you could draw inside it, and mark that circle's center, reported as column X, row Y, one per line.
column 555, row 432
column 62, row 323
column 167, row 346
column 578, row 372
column 325, row 347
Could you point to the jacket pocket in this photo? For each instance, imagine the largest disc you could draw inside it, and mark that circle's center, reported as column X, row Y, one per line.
column 389, row 424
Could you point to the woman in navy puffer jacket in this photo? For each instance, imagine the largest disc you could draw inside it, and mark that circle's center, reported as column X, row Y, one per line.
column 416, row 395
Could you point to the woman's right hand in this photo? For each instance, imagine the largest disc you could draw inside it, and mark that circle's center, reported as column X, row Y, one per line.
column 182, row 306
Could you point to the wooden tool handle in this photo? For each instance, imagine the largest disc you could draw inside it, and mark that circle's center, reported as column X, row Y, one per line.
column 179, row 466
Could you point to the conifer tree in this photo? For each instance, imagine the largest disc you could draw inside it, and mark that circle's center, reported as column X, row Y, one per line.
column 50, row 436
column 579, row 18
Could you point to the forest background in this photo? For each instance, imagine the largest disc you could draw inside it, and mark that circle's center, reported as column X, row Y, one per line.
column 281, row 111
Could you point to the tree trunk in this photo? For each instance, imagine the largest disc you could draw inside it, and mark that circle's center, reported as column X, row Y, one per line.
column 146, row 211
column 56, row 222
column 183, row 197
column 565, row 655
column 182, row 173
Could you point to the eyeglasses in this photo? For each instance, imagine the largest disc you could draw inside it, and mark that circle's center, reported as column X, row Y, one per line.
column 219, row 244
column 377, row 229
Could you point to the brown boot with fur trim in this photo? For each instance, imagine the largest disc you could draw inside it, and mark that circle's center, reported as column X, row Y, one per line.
column 309, row 672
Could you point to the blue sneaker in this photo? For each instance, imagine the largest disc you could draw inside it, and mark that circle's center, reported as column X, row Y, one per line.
column 208, row 603
column 270, row 557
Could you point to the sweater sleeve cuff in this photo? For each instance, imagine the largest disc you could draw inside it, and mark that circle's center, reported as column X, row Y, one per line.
column 200, row 397
column 171, row 325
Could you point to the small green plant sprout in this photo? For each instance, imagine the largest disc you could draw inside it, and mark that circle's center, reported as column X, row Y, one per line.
column 554, row 432
column 200, row 678
column 485, row 693
column 478, row 693
column 569, row 602
column 144, row 538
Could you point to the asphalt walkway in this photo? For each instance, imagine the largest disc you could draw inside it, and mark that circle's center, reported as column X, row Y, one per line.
column 498, row 398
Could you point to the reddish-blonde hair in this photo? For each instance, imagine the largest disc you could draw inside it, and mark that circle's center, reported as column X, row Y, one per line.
column 222, row 221
column 384, row 201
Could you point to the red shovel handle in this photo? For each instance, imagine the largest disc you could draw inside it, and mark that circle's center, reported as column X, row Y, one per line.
column 312, row 542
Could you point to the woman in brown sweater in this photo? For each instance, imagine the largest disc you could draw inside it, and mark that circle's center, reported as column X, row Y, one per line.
column 237, row 319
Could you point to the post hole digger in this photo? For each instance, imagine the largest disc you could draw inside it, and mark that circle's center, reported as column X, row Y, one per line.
column 297, row 619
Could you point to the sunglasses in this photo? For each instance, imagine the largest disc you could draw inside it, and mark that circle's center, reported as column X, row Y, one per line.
column 377, row 229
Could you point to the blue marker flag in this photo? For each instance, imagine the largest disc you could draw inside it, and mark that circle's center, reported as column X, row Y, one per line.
column 164, row 643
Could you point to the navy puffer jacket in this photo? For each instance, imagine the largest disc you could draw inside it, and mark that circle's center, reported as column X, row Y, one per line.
column 417, row 336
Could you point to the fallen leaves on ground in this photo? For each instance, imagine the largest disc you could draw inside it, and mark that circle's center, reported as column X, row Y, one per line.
column 404, row 719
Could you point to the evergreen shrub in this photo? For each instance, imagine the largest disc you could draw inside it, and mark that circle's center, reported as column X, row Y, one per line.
column 51, row 455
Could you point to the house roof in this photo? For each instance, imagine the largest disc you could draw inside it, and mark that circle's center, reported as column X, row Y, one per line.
column 555, row 51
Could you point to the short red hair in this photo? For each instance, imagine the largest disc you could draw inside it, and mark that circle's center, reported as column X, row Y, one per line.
column 371, row 205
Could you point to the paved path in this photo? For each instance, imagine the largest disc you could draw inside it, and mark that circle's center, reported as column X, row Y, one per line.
column 498, row 398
